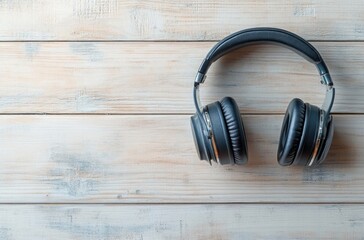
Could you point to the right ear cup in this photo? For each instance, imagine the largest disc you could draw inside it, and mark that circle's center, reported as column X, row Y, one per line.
column 291, row 132
column 235, row 129
column 325, row 146
column 309, row 136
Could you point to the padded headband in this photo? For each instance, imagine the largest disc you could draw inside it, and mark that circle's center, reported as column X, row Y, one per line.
column 265, row 35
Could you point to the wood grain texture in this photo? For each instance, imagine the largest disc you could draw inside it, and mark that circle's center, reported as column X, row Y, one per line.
column 151, row 159
column 137, row 59
column 215, row 222
column 132, row 78
column 176, row 20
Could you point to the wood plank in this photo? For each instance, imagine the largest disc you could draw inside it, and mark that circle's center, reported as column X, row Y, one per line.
column 152, row 159
column 137, row 222
column 171, row 20
column 157, row 77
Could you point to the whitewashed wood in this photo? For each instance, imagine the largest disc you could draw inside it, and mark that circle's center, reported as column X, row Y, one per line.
column 158, row 77
column 145, row 159
column 151, row 159
column 135, row 222
column 176, row 20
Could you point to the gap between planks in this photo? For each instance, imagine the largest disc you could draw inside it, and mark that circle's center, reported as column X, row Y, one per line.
column 180, row 203
column 156, row 41
column 150, row 114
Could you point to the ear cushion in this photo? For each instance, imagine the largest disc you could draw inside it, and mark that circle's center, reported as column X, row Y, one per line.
column 220, row 137
column 309, row 135
column 235, row 129
column 291, row 132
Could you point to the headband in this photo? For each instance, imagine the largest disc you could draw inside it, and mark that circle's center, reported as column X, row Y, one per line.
column 271, row 36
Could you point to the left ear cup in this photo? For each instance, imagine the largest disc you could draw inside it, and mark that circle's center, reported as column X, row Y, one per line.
column 229, row 142
column 202, row 143
column 220, row 137
column 235, row 128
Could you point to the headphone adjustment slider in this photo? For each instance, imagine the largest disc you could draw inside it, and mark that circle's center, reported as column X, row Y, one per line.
column 326, row 79
column 200, row 78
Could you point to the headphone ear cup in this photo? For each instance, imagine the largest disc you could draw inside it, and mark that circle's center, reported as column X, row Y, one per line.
column 325, row 146
column 202, row 143
column 235, row 129
column 291, row 132
column 309, row 136
column 220, row 139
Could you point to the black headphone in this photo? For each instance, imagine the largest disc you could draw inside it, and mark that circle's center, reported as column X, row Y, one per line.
column 307, row 130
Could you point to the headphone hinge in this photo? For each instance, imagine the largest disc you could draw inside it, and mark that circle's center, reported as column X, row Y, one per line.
column 200, row 78
column 326, row 79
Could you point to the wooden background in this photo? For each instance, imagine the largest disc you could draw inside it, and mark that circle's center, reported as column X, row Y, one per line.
column 95, row 100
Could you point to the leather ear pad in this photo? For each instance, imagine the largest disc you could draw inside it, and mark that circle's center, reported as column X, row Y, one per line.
column 291, row 132
column 235, row 130
column 309, row 135
column 220, row 139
